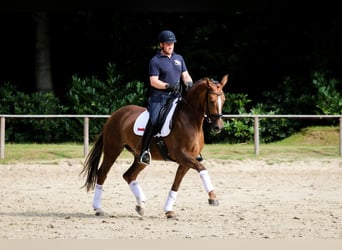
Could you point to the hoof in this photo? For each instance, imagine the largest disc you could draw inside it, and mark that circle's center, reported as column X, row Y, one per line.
column 213, row 202
column 140, row 210
column 99, row 212
column 170, row 215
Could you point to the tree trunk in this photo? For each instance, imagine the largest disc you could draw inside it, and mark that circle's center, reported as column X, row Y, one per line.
column 43, row 62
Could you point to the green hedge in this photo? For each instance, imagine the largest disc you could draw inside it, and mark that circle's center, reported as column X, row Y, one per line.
column 94, row 96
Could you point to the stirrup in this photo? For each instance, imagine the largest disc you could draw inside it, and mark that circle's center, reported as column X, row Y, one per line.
column 145, row 157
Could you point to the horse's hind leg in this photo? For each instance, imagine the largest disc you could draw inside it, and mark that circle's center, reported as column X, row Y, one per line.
column 108, row 161
column 130, row 177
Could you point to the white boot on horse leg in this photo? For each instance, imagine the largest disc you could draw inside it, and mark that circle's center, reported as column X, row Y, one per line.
column 213, row 201
column 139, row 196
column 168, row 208
column 97, row 200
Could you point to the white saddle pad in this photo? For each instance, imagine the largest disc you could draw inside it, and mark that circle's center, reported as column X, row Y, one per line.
column 141, row 121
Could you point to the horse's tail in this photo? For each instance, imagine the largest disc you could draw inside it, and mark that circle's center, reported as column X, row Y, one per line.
column 90, row 167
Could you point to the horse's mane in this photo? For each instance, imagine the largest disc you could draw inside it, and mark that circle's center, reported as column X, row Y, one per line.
column 197, row 88
column 194, row 94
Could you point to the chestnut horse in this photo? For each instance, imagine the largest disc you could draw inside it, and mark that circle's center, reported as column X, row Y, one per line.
column 184, row 143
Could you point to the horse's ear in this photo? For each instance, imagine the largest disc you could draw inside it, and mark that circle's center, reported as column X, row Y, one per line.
column 224, row 80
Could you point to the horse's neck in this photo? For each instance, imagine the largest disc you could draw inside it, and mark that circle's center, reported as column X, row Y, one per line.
column 197, row 99
column 194, row 106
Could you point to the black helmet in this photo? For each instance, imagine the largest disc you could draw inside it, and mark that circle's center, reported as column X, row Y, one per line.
column 167, row 36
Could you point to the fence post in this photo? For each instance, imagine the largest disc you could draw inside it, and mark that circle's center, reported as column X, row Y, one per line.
column 256, row 135
column 2, row 138
column 340, row 136
column 86, row 136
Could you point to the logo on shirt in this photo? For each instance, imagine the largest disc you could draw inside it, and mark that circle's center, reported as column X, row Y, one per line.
column 177, row 62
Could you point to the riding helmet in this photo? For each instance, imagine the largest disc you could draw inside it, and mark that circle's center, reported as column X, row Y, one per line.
column 167, row 36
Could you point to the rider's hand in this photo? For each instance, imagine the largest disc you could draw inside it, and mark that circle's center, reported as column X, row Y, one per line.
column 172, row 86
column 189, row 85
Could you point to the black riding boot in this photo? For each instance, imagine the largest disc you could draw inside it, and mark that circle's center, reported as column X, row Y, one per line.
column 145, row 157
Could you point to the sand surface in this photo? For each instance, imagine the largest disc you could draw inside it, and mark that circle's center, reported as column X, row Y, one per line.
column 258, row 199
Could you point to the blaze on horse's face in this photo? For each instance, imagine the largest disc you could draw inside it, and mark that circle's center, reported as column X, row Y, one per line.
column 215, row 103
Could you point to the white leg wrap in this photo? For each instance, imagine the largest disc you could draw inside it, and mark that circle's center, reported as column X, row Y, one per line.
column 97, row 196
column 206, row 180
column 170, row 201
column 137, row 191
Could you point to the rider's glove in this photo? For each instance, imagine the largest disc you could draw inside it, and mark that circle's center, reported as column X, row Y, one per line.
column 189, row 85
column 172, row 86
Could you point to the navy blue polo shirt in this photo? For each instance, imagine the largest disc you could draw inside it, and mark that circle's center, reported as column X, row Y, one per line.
column 167, row 69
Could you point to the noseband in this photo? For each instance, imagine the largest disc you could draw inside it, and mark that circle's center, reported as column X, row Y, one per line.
column 212, row 117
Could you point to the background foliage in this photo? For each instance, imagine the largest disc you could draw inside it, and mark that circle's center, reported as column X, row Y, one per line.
column 282, row 60
column 91, row 95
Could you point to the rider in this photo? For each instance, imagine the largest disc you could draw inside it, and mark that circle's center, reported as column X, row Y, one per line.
column 166, row 69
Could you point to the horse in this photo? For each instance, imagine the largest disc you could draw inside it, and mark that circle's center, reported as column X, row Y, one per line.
column 203, row 101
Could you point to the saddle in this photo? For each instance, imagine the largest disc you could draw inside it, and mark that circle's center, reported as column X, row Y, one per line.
column 164, row 127
column 165, row 119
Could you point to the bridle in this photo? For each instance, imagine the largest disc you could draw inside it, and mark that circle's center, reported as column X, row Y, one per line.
column 213, row 117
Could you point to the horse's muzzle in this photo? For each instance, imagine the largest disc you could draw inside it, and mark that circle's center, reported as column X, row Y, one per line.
column 217, row 126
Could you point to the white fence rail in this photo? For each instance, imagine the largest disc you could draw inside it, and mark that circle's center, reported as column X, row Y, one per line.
column 87, row 117
column 256, row 125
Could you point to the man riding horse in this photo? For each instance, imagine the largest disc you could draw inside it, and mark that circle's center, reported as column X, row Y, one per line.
column 166, row 69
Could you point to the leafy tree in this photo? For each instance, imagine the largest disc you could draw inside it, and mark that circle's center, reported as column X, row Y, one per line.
column 329, row 99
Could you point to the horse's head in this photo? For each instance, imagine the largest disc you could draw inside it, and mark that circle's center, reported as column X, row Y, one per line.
column 206, row 98
column 214, row 103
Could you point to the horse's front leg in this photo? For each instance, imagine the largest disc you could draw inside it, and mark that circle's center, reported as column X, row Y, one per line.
column 213, row 201
column 171, row 199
